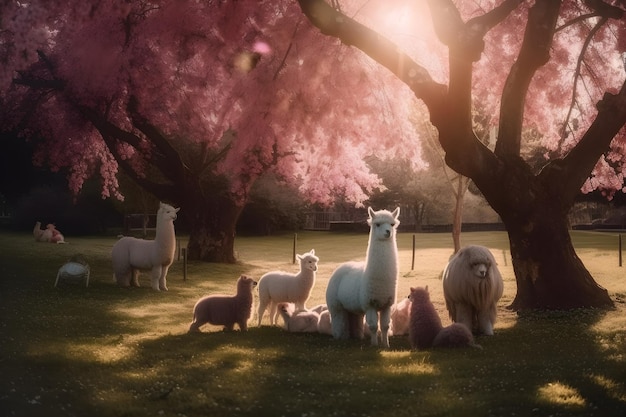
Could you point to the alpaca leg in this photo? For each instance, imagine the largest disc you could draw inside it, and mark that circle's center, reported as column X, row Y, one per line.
column 371, row 317
column 273, row 312
column 385, row 319
column 155, row 276
column 261, row 309
column 485, row 325
column 339, row 324
column 162, row 278
column 464, row 315
column 243, row 325
column 133, row 277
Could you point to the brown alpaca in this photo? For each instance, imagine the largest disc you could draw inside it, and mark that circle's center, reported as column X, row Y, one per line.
column 426, row 330
column 225, row 310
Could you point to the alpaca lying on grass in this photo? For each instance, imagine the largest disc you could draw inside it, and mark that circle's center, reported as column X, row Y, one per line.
column 49, row 234
column 426, row 330
column 225, row 310
column 285, row 287
column 131, row 255
column 299, row 321
column 356, row 289
column 472, row 286
column 400, row 317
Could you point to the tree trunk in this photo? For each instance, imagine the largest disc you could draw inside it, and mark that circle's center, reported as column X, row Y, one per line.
column 212, row 234
column 457, row 223
column 548, row 272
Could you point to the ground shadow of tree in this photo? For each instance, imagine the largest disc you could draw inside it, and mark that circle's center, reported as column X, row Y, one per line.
column 546, row 364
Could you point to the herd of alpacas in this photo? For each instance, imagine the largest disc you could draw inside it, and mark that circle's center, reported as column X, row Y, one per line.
column 360, row 296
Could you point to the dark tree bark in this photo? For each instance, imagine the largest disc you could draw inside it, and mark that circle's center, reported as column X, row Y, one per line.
column 533, row 207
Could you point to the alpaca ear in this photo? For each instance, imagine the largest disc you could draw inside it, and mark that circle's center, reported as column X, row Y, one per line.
column 426, row 288
column 312, row 252
column 176, row 210
column 370, row 211
column 396, row 212
column 299, row 257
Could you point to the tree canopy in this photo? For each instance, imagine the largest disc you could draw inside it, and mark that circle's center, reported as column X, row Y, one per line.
column 196, row 100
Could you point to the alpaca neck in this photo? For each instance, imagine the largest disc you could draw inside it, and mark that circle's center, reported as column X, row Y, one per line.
column 382, row 256
column 245, row 297
column 165, row 231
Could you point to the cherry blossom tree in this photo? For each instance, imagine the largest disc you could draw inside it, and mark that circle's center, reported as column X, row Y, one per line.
column 550, row 65
column 195, row 101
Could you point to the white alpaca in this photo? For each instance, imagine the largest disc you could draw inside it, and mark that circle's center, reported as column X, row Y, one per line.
column 284, row 287
column 367, row 288
column 131, row 255
column 472, row 285
column 302, row 321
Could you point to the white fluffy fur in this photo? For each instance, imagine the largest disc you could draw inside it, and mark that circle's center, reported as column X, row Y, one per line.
column 302, row 321
column 356, row 289
column 49, row 234
column 131, row 255
column 400, row 317
column 225, row 310
column 285, row 287
column 472, row 286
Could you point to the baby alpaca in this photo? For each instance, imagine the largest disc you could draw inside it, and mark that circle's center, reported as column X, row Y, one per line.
column 225, row 310
column 426, row 330
column 299, row 321
column 285, row 287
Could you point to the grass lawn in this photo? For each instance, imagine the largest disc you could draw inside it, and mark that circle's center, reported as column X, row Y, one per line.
column 109, row 351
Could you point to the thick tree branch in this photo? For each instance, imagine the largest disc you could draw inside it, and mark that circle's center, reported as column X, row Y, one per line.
column 534, row 53
column 574, row 169
column 333, row 23
column 112, row 135
column 166, row 158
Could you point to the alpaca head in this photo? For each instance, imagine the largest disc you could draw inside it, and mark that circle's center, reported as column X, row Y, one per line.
column 287, row 308
column 308, row 260
column 478, row 261
column 167, row 212
column 419, row 295
column 245, row 284
column 383, row 223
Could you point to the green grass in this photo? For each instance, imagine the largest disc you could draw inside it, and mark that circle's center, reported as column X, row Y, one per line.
column 108, row 351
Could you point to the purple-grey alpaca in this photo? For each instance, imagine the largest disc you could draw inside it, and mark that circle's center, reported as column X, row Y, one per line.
column 426, row 330
column 225, row 310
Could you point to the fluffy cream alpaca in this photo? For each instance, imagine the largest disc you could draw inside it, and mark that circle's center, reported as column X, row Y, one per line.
column 472, row 286
column 131, row 255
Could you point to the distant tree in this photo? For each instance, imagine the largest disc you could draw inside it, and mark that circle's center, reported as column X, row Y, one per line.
column 194, row 101
column 556, row 65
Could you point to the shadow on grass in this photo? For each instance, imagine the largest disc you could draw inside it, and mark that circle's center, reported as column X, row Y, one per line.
column 103, row 352
column 547, row 364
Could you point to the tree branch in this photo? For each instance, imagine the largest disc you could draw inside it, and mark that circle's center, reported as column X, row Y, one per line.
column 111, row 135
column 534, row 53
column 333, row 23
column 166, row 158
column 581, row 56
column 573, row 170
